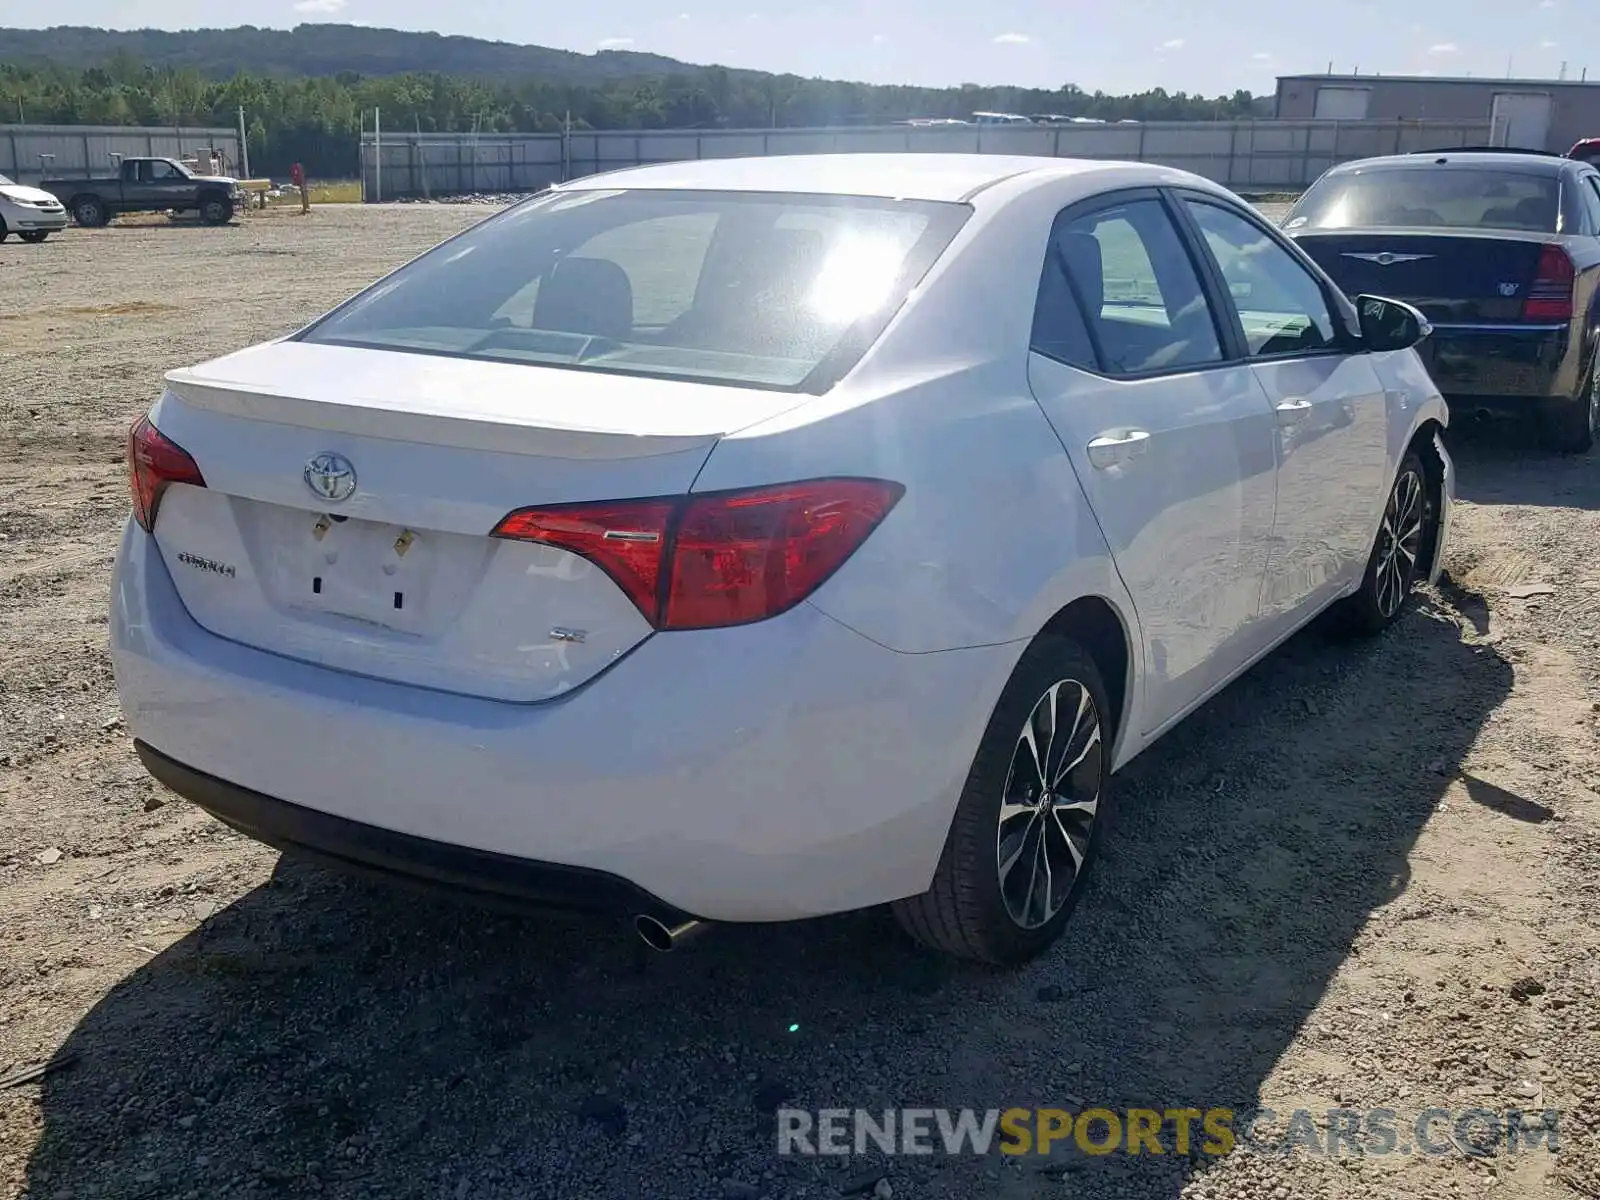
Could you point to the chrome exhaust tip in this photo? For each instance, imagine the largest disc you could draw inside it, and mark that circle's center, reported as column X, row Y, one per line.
column 664, row 938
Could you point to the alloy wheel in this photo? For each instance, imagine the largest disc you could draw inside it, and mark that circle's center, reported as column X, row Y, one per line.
column 1399, row 542
column 1050, row 803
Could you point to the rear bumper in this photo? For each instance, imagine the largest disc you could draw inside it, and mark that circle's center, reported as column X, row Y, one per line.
column 767, row 772
column 1498, row 367
column 482, row 875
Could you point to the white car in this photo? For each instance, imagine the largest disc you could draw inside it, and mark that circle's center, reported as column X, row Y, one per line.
column 29, row 213
column 749, row 540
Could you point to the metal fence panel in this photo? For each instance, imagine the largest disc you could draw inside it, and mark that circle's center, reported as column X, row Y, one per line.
column 30, row 152
column 732, row 145
column 1259, row 155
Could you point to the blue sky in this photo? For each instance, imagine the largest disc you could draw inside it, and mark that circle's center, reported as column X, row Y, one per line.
column 1196, row 45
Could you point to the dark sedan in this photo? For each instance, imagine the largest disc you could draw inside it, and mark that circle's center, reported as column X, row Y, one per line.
column 1500, row 250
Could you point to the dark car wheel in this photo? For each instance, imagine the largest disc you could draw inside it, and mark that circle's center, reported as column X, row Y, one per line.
column 216, row 211
column 1394, row 567
column 1029, row 819
column 1572, row 426
column 34, row 235
column 90, row 212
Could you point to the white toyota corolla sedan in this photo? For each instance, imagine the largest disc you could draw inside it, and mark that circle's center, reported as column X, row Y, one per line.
column 749, row 540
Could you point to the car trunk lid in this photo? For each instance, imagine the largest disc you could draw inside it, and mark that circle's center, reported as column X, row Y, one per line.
column 399, row 579
column 1453, row 278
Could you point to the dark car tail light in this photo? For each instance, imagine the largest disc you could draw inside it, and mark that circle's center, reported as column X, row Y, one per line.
column 722, row 558
column 155, row 462
column 1550, row 294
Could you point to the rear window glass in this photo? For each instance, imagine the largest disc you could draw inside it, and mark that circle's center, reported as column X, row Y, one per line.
column 776, row 291
column 1412, row 198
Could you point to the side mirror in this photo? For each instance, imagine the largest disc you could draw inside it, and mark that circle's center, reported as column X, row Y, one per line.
column 1390, row 324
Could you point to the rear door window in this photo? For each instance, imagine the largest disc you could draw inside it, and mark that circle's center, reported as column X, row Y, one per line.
column 1059, row 329
column 1589, row 188
column 1130, row 280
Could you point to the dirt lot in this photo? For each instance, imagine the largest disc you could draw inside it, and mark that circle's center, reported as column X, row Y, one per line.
column 1365, row 877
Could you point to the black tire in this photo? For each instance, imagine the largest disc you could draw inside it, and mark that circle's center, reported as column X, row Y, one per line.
column 1409, row 515
column 972, row 909
column 216, row 210
column 90, row 212
column 1573, row 426
column 34, row 235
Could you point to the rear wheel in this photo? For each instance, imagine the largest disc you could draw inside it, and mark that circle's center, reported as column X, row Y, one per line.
column 1393, row 568
column 90, row 212
column 34, row 235
column 1028, row 822
column 1572, row 426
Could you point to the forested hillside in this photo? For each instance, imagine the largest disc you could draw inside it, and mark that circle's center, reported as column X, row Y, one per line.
column 305, row 91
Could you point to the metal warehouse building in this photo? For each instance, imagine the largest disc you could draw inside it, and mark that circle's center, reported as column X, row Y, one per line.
column 1540, row 114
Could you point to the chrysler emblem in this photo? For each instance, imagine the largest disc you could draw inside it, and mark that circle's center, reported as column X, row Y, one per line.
column 331, row 476
column 1387, row 258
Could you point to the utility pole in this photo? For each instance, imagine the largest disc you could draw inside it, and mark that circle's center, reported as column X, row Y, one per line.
column 244, row 145
column 377, row 151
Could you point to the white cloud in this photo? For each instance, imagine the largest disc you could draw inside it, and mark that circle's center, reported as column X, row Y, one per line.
column 1012, row 39
column 1443, row 49
column 605, row 43
column 1171, row 44
column 878, row 39
column 1547, row 3
column 1549, row 44
column 683, row 16
column 1262, row 56
column 323, row 7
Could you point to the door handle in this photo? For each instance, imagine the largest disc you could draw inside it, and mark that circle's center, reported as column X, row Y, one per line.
column 1117, row 446
column 1292, row 412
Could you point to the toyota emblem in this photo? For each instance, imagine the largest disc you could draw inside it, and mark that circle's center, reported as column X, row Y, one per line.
column 331, row 476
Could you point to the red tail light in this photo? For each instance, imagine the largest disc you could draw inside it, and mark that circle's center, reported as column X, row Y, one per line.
column 723, row 558
column 154, row 461
column 1550, row 293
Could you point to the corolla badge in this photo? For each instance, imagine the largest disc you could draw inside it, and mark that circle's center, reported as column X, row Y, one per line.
column 331, row 476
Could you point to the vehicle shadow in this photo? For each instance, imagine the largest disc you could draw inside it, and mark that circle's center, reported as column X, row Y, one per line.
column 1501, row 461
column 325, row 1035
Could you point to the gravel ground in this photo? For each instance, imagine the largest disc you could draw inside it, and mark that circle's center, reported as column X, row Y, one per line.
column 1362, row 877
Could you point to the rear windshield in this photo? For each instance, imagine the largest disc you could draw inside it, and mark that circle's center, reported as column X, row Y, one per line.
column 1408, row 197
column 774, row 291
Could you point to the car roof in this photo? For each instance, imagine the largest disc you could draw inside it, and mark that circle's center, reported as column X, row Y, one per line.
column 1446, row 160
column 906, row 176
